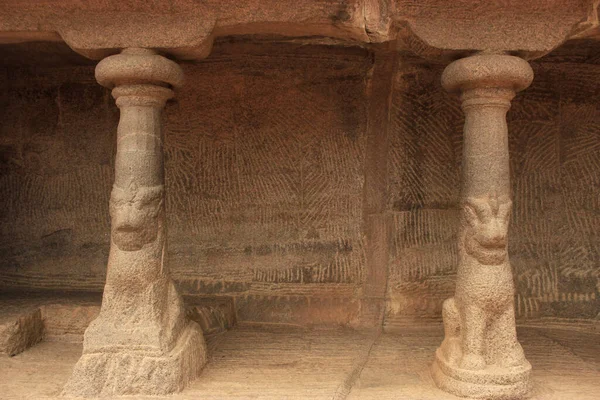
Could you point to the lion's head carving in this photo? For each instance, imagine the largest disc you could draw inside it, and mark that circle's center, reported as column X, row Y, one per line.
column 134, row 211
column 485, row 223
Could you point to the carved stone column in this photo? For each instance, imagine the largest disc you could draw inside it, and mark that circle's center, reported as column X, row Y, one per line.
column 480, row 356
column 141, row 343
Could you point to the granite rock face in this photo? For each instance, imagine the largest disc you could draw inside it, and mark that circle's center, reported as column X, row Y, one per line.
column 311, row 178
column 19, row 329
column 552, row 245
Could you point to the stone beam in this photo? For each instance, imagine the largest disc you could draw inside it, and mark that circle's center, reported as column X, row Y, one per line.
column 141, row 342
column 353, row 20
column 97, row 29
column 480, row 355
column 590, row 28
column 452, row 29
column 185, row 29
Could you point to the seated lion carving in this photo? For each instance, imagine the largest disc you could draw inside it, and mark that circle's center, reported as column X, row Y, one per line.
column 479, row 320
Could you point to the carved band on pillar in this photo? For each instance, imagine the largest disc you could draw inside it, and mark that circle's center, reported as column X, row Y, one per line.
column 141, row 342
column 480, row 355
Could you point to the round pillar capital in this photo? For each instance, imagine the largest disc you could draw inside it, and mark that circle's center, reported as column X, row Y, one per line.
column 487, row 71
column 138, row 66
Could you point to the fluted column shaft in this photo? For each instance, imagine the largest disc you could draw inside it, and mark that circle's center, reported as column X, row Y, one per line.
column 480, row 355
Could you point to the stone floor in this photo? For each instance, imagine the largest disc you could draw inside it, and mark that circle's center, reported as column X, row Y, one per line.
column 286, row 362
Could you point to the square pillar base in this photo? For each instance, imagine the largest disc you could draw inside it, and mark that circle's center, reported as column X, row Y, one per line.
column 129, row 373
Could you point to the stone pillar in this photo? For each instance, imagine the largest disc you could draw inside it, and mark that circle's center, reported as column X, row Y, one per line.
column 141, row 342
column 480, row 356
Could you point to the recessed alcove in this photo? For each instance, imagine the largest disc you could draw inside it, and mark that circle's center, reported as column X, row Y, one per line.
column 284, row 158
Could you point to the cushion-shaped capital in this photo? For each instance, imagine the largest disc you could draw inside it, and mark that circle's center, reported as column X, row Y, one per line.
column 138, row 66
column 487, row 71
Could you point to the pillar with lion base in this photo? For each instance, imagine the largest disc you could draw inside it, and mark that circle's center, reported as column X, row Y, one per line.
column 141, row 342
column 480, row 356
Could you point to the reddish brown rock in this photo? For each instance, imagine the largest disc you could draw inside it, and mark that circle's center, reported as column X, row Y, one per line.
column 312, row 179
